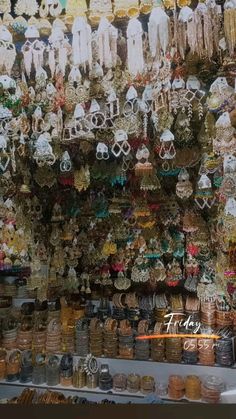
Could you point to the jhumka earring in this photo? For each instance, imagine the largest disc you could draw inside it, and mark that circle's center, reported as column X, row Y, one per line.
column 184, row 188
column 143, row 166
column 174, row 274
column 82, row 178
column 225, row 141
column 150, row 182
column 167, row 149
column 43, row 154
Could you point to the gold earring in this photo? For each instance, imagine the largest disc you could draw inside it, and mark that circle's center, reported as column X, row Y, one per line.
column 75, row 8
column 98, row 9
column 145, row 6
column 124, row 8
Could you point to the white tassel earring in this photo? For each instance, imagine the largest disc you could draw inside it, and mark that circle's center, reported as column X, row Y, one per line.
column 107, row 43
column 81, row 43
column 52, row 60
column 158, row 32
column 37, row 50
column 10, row 56
column 28, row 57
column 135, row 47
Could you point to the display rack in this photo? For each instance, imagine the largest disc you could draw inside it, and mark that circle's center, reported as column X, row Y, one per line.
column 160, row 371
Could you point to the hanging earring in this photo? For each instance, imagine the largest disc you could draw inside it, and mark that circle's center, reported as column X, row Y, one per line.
column 184, row 187
column 82, row 289
column 81, row 43
column 121, row 145
column 107, row 36
column 143, row 166
column 112, row 106
column 167, row 150
column 88, row 289
column 65, row 164
column 135, row 47
column 158, row 32
column 27, row 52
column 204, row 196
column 102, row 152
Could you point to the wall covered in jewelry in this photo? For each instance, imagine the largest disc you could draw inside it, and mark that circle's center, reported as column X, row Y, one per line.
column 117, row 197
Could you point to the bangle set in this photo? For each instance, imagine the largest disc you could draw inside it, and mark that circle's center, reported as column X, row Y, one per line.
column 80, row 374
column 176, row 387
column 121, row 338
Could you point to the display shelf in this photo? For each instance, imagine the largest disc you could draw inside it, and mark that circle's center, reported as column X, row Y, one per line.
column 163, row 363
column 96, row 391
column 160, row 372
column 9, row 390
column 59, row 387
column 150, row 361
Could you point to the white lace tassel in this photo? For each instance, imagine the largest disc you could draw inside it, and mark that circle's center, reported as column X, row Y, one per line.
column 2, row 55
column 37, row 59
column 28, row 59
column 164, row 31
column 152, row 34
column 192, row 34
column 113, row 43
column 208, row 33
column 76, row 49
column 10, row 56
column 107, row 43
column 81, row 43
column 83, row 47
column 158, row 32
column 135, row 47
column 89, row 46
column 100, row 48
column 62, row 58
column 107, row 49
column 52, row 61
column 199, row 31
